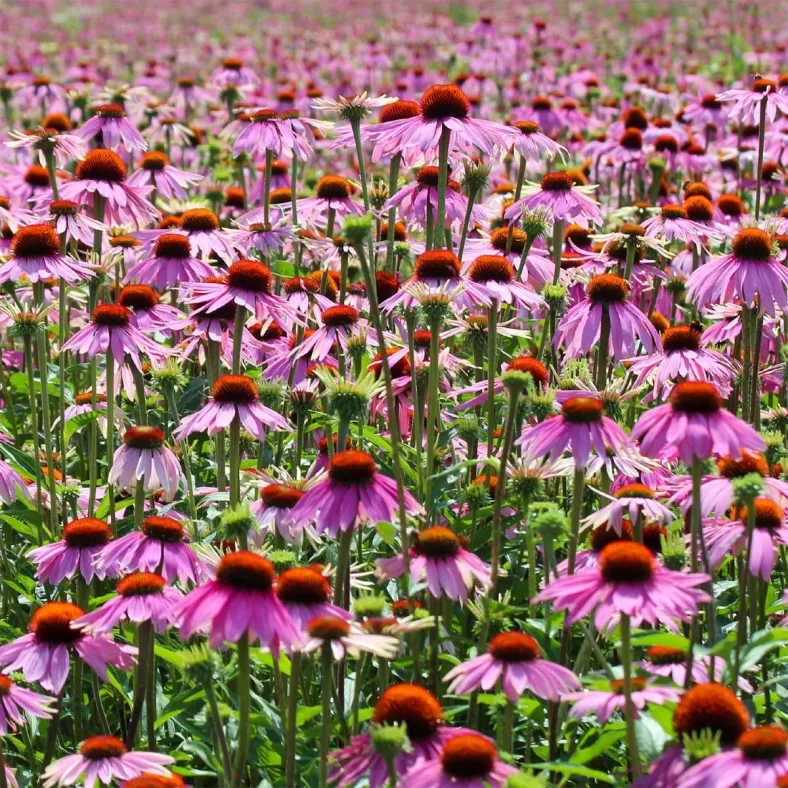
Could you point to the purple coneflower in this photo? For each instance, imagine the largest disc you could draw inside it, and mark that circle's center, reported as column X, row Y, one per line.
column 439, row 558
column 159, row 546
column 115, row 128
column 305, row 594
column 401, row 704
column 332, row 196
column 36, row 254
column 637, row 501
column 602, row 703
column 104, row 759
column 12, row 485
column 497, row 280
column 102, row 174
column 14, row 700
column 694, row 424
column 353, row 490
column 516, row 659
column 468, row 760
column 747, row 103
column 670, row 662
column 581, row 425
column 73, row 225
column 172, row 263
column 142, row 596
column 43, row 654
column 559, row 194
column 751, row 269
column 629, row 580
column 144, row 459
column 240, row 600
column 147, row 311
column 532, row 144
column 168, row 181
column 346, row 638
column 110, row 327
column 82, row 541
column 232, row 396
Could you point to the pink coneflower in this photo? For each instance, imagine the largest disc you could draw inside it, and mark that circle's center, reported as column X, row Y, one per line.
column 750, row 270
column 332, row 194
column 273, row 510
column 144, row 459
column 602, row 704
column 147, row 311
column 516, row 659
column 531, row 366
column 142, row 596
column 747, row 103
column 265, row 132
column 532, row 144
column 628, row 580
column 494, row 277
column 232, row 396
column 65, row 147
column 104, row 759
column 172, row 263
column 704, row 708
column 716, row 492
column 694, row 425
column 346, row 638
column 303, row 293
column 581, row 328
column 468, row 760
column 82, row 541
column 233, row 73
column 598, row 539
column 582, row 426
column 634, row 500
column 240, row 600
column 247, row 284
column 445, row 107
column 266, row 239
column 102, row 173
column 682, row 358
column 110, row 327
column 338, row 328
column 673, row 224
column 396, row 110
column 168, row 181
column 439, row 558
column 401, row 704
column 115, row 128
column 305, row 594
column 43, row 654
column 353, row 491
column 418, row 201
column 159, row 546
column 542, row 113
column 36, row 255
column 670, row 662
column 559, row 194
column 725, row 537
column 759, row 758
column 11, row 483
column 68, row 222
column 14, row 700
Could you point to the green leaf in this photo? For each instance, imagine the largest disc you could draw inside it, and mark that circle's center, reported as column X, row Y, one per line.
column 78, row 422
column 19, row 459
column 662, row 639
column 612, row 734
column 388, row 533
column 173, row 657
column 574, row 770
column 650, row 737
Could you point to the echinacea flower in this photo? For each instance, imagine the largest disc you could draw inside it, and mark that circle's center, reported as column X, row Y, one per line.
column 400, row 704
column 305, row 594
column 142, row 596
column 580, row 329
column 110, row 328
column 147, row 311
column 332, row 195
column 159, row 546
column 168, row 181
column 36, row 254
column 101, row 177
column 747, row 103
column 171, row 264
column 15, row 701
column 346, row 638
column 634, row 500
column 232, row 397
column 353, row 490
column 73, row 225
column 759, row 758
column 692, row 425
column 602, row 703
column 43, row 654
column 516, row 659
column 439, row 558
column 11, row 483
column 240, row 601
column 558, row 193
column 673, row 663
column 468, row 760
column 751, row 269
column 495, row 277
column 581, row 425
column 115, row 128
column 533, row 144
column 629, row 580
column 105, row 760
column 144, row 459
column 82, row 541
column 673, row 224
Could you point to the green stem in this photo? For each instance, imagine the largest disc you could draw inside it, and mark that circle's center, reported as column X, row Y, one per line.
column 46, row 424
column 111, row 432
column 558, row 244
column 392, row 217
column 578, row 488
column 466, row 222
column 292, row 713
column 626, row 658
column 492, row 369
column 31, row 385
column 244, row 707
column 325, row 722
column 238, row 337
column 443, row 181
column 343, row 560
column 759, row 172
column 235, row 463
column 145, row 645
column 433, row 405
column 604, row 345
